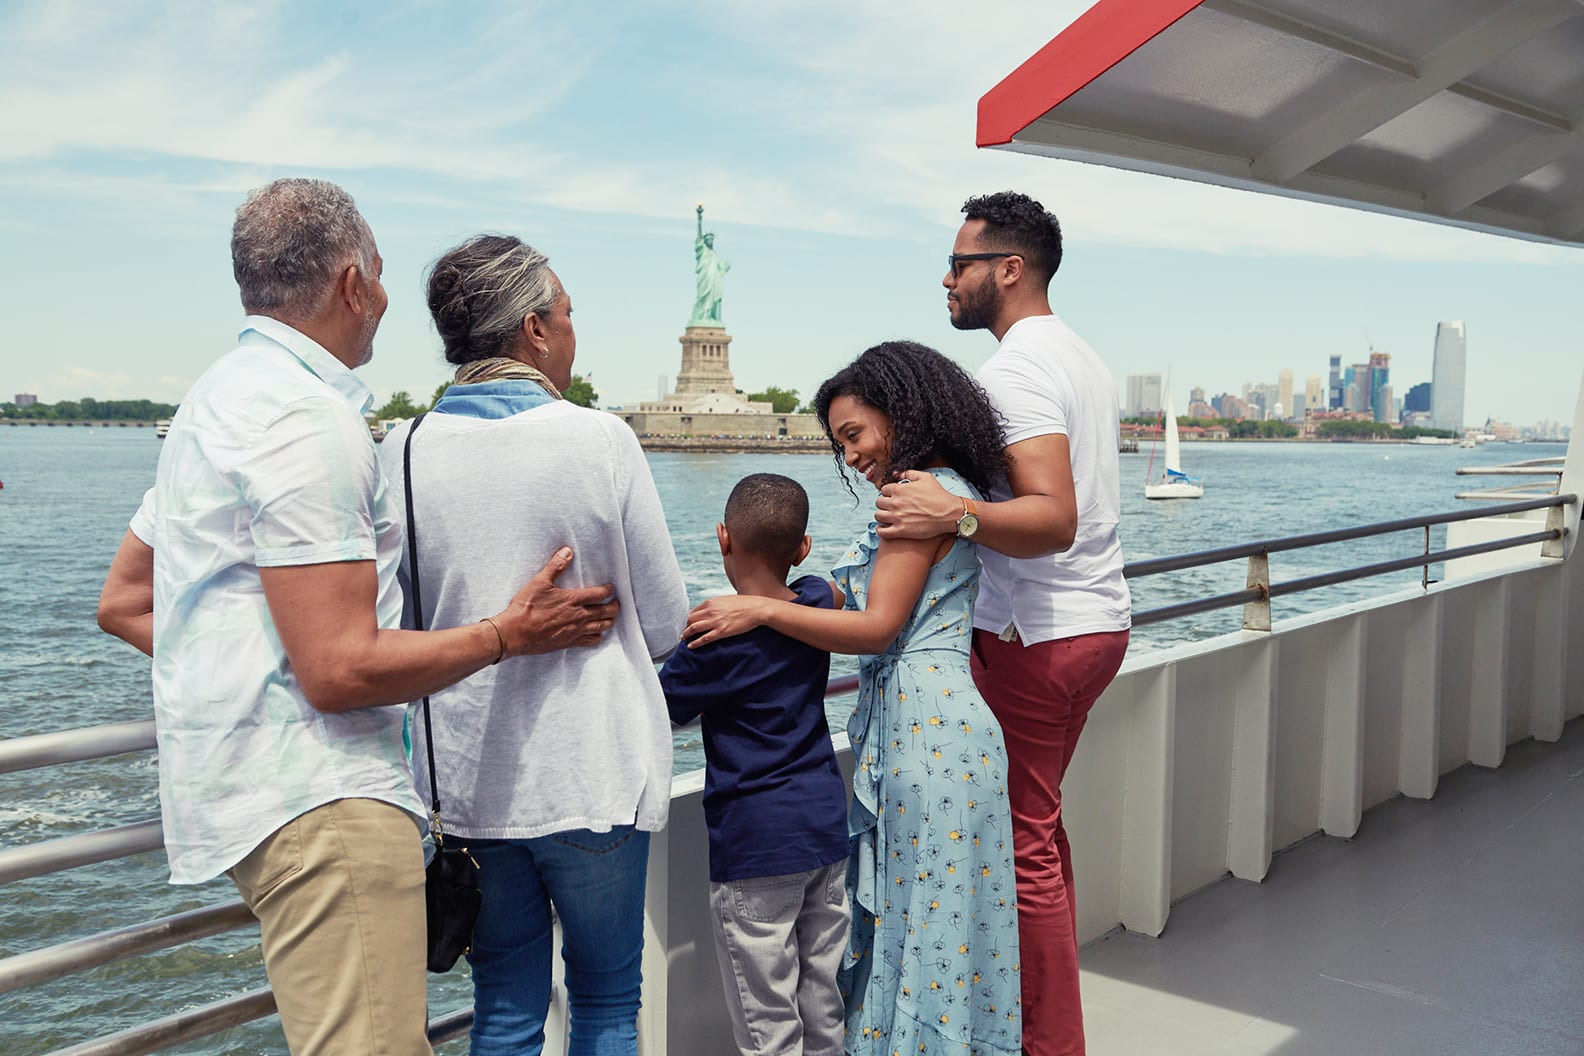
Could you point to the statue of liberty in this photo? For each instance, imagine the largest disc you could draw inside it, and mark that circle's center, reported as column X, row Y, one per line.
column 708, row 271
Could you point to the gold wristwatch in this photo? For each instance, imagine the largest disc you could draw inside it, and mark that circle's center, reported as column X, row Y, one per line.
column 968, row 523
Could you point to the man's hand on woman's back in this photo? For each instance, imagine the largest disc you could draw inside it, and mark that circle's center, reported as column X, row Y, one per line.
column 542, row 617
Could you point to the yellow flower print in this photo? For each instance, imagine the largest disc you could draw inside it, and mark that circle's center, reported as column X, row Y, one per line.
column 984, row 870
column 963, row 948
column 935, row 720
column 901, row 695
column 935, row 984
column 945, row 1018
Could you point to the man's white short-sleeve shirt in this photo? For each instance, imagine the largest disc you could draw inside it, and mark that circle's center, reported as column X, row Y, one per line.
column 268, row 463
column 1044, row 379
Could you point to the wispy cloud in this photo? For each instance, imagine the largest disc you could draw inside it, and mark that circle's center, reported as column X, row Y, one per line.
column 821, row 115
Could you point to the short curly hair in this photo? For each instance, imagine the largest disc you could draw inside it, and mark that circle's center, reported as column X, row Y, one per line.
column 1018, row 224
column 767, row 515
column 937, row 410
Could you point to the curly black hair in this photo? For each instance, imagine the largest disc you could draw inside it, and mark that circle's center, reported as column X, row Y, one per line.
column 937, row 410
column 1018, row 224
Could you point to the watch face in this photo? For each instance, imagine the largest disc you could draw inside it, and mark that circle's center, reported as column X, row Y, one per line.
column 967, row 525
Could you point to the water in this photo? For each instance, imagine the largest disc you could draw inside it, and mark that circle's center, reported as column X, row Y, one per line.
column 66, row 499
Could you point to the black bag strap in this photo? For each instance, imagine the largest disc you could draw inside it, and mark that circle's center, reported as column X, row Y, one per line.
column 417, row 599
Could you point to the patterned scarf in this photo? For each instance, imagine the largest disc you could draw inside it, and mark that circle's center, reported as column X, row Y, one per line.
column 498, row 368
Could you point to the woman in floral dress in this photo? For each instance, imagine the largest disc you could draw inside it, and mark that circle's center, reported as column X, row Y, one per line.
column 932, row 965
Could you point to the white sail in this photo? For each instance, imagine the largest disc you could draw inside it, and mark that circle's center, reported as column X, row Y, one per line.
column 1173, row 483
column 1173, row 445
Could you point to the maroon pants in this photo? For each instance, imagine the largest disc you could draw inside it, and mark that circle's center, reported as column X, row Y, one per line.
column 1041, row 694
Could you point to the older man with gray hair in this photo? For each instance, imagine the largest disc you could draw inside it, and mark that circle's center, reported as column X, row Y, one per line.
column 260, row 574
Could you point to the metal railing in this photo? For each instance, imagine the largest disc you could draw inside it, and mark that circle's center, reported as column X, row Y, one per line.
column 79, row 955
column 1257, row 594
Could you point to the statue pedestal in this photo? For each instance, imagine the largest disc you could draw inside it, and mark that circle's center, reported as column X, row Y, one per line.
column 706, row 362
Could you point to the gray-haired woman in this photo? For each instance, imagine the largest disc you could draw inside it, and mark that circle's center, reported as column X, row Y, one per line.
column 553, row 768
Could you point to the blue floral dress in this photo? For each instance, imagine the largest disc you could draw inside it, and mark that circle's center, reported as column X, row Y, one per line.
column 932, row 963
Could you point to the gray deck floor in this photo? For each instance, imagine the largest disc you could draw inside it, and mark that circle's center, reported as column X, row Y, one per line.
column 1453, row 925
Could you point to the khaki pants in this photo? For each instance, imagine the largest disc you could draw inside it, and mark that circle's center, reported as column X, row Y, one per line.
column 780, row 941
column 339, row 893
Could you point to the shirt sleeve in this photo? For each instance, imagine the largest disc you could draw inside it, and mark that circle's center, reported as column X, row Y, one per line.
column 659, row 593
column 309, row 479
column 142, row 524
column 689, row 683
column 1032, row 401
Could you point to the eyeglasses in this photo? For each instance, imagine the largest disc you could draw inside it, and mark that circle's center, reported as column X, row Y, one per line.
column 955, row 261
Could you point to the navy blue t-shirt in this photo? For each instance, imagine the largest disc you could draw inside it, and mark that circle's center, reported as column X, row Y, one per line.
column 774, row 799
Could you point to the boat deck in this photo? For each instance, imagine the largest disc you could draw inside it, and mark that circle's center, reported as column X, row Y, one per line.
column 1450, row 925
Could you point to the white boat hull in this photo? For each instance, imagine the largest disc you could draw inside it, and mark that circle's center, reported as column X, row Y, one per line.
column 1175, row 490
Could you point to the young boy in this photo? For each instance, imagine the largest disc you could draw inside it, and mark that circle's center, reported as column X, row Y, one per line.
column 774, row 800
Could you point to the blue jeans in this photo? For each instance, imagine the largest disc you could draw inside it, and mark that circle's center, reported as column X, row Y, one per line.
column 595, row 880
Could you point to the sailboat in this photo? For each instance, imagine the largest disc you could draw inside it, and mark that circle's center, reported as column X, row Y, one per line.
column 1173, row 483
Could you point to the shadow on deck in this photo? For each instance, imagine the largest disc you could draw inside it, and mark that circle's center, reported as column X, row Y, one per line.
column 1449, row 925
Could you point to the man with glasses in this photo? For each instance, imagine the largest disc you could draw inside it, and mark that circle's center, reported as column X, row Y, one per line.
column 1051, row 622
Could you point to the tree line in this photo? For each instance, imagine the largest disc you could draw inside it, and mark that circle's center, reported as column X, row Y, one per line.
column 402, row 405
column 88, row 409
column 581, row 392
column 1329, row 429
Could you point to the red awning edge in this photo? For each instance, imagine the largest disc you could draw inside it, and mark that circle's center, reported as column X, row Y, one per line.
column 1101, row 37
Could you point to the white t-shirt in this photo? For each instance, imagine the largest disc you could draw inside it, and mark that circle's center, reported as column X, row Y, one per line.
column 1045, row 380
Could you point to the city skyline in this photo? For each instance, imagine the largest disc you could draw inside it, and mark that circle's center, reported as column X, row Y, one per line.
column 832, row 146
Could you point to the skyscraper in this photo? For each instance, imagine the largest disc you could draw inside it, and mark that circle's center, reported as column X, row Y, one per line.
column 1284, row 391
column 1143, row 395
column 1312, row 400
column 1418, row 398
column 1380, row 404
column 1446, row 377
column 1335, row 401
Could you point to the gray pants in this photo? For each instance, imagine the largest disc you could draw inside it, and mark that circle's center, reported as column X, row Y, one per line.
column 780, row 940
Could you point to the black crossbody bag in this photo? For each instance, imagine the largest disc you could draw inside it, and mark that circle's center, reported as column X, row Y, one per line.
column 451, row 888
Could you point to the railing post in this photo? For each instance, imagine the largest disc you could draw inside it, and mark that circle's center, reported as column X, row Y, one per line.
column 1556, row 521
column 1257, row 614
column 1251, row 817
column 1145, row 899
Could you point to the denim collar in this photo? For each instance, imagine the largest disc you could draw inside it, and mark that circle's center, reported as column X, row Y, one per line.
column 493, row 399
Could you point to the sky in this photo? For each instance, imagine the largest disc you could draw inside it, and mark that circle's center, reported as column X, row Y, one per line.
column 832, row 145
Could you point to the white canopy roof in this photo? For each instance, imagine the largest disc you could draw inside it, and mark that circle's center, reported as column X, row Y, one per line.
column 1464, row 112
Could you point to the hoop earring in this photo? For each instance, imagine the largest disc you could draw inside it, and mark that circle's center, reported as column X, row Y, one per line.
column 544, row 352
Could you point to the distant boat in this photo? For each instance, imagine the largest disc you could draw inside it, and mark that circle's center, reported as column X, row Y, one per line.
column 1468, row 441
column 1173, row 483
column 162, row 427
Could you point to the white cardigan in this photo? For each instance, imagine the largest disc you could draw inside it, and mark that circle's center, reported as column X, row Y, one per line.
column 568, row 740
